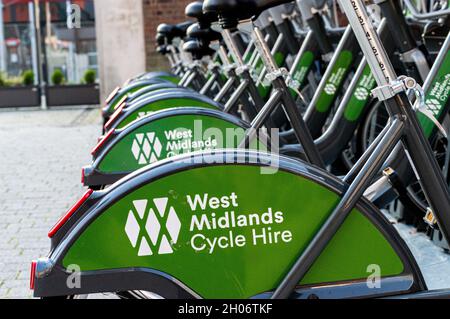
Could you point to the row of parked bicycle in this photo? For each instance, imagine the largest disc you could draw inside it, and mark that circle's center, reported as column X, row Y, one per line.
column 263, row 164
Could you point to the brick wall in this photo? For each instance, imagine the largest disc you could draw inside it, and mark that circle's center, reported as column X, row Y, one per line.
column 155, row 13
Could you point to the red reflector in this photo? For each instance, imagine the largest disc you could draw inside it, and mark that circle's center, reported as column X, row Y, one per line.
column 69, row 214
column 115, row 115
column 102, row 142
column 123, row 99
column 82, row 176
column 112, row 95
column 32, row 274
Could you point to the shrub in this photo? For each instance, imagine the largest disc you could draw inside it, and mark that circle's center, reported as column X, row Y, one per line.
column 8, row 81
column 28, row 78
column 58, row 77
column 14, row 81
column 90, row 76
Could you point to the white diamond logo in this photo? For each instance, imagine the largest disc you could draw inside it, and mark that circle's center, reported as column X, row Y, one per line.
column 157, row 147
column 161, row 204
column 143, row 114
column 434, row 106
column 153, row 227
column 136, row 149
column 132, row 229
column 146, row 148
column 140, row 138
column 330, row 89
column 165, row 247
column 140, row 206
column 361, row 94
column 151, row 137
column 173, row 225
column 144, row 249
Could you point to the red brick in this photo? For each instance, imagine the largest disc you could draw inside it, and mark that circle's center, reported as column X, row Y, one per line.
column 155, row 13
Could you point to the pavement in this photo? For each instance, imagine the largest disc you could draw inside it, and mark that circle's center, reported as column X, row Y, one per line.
column 432, row 260
column 42, row 153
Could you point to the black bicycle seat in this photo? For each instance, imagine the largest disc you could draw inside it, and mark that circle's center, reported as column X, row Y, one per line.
column 171, row 31
column 197, row 49
column 181, row 28
column 207, row 34
column 231, row 11
column 165, row 29
column 160, row 39
column 195, row 10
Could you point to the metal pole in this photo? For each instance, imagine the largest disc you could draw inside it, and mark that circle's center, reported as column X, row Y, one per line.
column 43, row 85
column 2, row 40
column 34, row 50
column 370, row 43
column 72, row 74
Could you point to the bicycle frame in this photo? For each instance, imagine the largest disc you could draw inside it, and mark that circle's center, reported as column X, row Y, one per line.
column 280, row 93
column 343, row 61
column 397, row 162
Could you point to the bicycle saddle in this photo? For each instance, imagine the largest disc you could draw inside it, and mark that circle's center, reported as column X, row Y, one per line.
column 173, row 31
column 160, row 39
column 204, row 34
column 181, row 28
column 164, row 29
column 197, row 49
column 195, row 10
column 231, row 11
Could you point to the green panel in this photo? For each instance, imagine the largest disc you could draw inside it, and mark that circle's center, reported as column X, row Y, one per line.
column 163, row 105
column 301, row 71
column 334, row 81
column 248, row 57
column 223, row 77
column 303, row 67
column 259, row 66
column 361, row 95
column 262, row 222
column 437, row 96
column 264, row 91
column 172, row 79
column 343, row 247
column 168, row 137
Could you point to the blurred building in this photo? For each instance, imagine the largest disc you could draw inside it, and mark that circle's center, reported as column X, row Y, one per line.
column 72, row 51
column 126, row 33
column 115, row 38
column 155, row 13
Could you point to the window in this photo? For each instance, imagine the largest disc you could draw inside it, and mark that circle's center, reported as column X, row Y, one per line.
column 72, row 51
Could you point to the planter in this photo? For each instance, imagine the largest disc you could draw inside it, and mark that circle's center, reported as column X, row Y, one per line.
column 64, row 95
column 19, row 96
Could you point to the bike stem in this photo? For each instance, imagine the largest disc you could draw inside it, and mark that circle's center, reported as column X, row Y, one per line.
column 244, row 73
